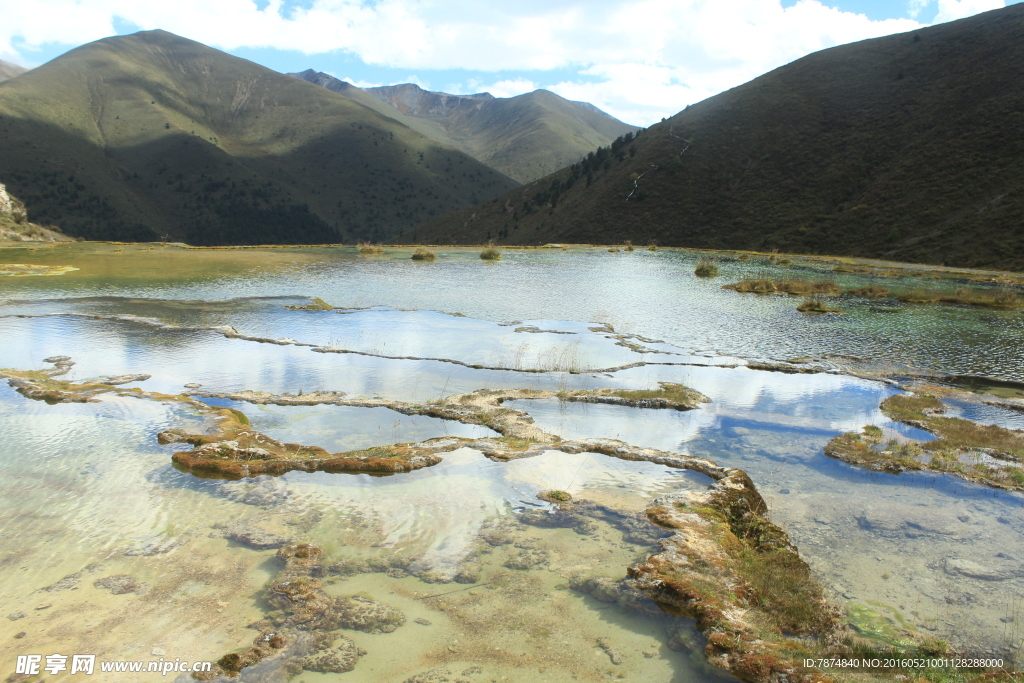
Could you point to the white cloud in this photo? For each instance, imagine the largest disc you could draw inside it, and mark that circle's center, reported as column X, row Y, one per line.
column 649, row 58
column 958, row 9
column 360, row 83
column 915, row 7
column 510, row 88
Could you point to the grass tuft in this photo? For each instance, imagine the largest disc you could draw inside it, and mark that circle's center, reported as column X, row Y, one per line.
column 368, row 248
column 815, row 305
column 422, row 254
column 792, row 287
column 706, row 268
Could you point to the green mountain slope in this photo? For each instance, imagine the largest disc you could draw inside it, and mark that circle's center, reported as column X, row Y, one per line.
column 154, row 136
column 525, row 137
column 908, row 147
column 8, row 70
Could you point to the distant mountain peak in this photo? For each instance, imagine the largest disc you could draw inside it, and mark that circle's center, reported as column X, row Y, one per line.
column 9, row 70
column 525, row 137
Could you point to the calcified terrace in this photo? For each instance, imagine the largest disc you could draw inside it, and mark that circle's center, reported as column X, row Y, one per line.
column 725, row 564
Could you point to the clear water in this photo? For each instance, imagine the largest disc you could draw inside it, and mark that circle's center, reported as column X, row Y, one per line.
column 84, row 484
column 654, row 294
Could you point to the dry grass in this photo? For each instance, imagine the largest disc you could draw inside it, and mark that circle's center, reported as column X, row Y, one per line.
column 873, row 292
column 706, row 268
column 815, row 305
column 966, row 296
column 368, row 248
column 792, row 287
column 422, row 254
column 490, row 254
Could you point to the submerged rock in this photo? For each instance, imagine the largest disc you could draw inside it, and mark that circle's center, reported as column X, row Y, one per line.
column 528, row 559
column 959, row 567
column 365, row 614
column 156, row 546
column 432, row 676
column 120, row 584
column 67, row 583
column 251, row 533
column 299, row 635
column 620, row 592
column 340, row 656
column 613, row 654
column 263, row 491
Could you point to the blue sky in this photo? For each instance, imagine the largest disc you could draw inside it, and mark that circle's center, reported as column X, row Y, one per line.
column 639, row 60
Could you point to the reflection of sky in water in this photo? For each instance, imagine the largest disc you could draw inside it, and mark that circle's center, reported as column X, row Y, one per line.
column 653, row 294
column 342, row 428
column 80, row 467
column 851, row 524
column 985, row 414
column 441, row 508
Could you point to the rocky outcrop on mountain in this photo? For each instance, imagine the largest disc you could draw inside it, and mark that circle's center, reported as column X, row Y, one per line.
column 411, row 99
column 15, row 226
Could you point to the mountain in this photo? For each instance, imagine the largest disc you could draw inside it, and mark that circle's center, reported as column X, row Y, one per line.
column 154, row 136
column 525, row 137
column 8, row 70
column 907, row 147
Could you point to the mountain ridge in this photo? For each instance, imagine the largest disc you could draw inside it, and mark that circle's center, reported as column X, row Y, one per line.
column 153, row 136
column 9, row 70
column 907, row 147
column 525, row 137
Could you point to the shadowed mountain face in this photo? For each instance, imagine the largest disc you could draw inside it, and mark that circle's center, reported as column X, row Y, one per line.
column 908, row 147
column 525, row 137
column 154, row 136
column 8, row 70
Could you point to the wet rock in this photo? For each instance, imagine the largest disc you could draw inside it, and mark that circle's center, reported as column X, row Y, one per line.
column 14, row 616
column 613, row 654
column 341, row 656
column 124, row 379
column 265, row 644
column 20, row 635
column 57, row 359
column 120, row 584
column 423, row 622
